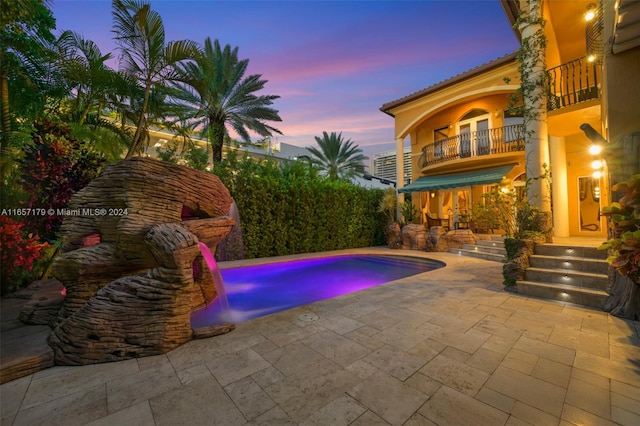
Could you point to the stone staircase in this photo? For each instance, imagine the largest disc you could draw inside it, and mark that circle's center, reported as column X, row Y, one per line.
column 488, row 247
column 568, row 274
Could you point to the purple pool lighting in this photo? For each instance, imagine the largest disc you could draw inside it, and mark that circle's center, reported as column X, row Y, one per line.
column 255, row 291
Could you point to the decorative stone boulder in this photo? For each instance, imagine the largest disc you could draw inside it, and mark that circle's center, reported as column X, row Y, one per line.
column 437, row 238
column 393, row 233
column 130, row 260
column 414, row 237
column 460, row 237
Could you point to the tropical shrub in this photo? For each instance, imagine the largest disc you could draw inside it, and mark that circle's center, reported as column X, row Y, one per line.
column 625, row 217
column 168, row 153
column 54, row 167
column 197, row 158
column 506, row 211
column 409, row 212
column 18, row 253
column 388, row 204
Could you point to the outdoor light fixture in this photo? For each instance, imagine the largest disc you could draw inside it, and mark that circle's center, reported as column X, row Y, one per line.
column 597, row 141
column 593, row 32
column 590, row 13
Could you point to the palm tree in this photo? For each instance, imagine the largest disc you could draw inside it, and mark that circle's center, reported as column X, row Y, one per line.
column 340, row 158
column 89, row 78
column 139, row 32
column 28, row 80
column 215, row 93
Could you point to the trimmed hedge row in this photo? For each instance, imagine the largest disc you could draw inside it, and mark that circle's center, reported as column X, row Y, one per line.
column 289, row 208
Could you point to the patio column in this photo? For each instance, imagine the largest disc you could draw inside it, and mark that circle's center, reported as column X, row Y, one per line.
column 559, row 187
column 535, row 102
column 399, row 171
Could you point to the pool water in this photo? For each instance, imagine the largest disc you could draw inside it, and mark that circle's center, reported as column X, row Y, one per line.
column 255, row 291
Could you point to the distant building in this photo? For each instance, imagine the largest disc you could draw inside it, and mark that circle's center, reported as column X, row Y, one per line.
column 384, row 163
column 163, row 139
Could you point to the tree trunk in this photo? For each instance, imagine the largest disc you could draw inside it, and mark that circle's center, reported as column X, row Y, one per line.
column 5, row 119
column 137, row 137
column 216, row 138
column 4, row 98
column 624, row 298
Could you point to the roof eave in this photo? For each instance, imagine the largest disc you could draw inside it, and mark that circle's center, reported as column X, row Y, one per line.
column 386, row 108
column 512, row 10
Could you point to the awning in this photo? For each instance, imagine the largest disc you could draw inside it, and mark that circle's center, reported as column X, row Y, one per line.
column 485, row 176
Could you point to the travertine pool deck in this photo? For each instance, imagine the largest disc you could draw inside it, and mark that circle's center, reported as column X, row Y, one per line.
column 447, row 347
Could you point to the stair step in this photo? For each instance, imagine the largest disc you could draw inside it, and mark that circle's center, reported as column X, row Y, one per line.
column 574, row 278
column 485, row 249
column 490, row 238
column 490, row 243
column 478, row 254
column 563, row 293
column 597, row 266
column 569, row 251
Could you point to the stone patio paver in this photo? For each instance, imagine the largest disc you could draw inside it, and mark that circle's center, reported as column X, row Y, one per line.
column 447, row 347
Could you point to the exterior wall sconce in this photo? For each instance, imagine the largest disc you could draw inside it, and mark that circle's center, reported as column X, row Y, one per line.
column 433, row 195
column 593, row 32
column 496, row 114
column 595, row 149
column 590, row 13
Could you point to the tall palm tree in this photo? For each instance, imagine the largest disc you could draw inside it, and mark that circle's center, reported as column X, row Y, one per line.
column 215, row 93
column 139, row 32
column 341, row 159
column 89, row 78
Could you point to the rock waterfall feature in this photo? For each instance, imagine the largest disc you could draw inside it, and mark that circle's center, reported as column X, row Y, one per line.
column 130, row 260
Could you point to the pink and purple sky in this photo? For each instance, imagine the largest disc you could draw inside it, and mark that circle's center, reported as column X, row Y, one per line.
column 333, row 63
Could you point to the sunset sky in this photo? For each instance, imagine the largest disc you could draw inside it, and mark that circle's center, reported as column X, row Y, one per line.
column 333, row 63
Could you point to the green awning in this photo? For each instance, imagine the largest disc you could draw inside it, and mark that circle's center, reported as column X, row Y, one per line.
column 485, row 176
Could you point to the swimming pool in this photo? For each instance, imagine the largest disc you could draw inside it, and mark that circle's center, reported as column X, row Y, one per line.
column 255, row 291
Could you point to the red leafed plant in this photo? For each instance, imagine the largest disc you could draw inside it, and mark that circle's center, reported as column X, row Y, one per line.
column 54, row 167
column 18, row 253
column 625, row 216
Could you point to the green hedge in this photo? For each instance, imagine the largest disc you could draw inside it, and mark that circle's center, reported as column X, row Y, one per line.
column 289, row 208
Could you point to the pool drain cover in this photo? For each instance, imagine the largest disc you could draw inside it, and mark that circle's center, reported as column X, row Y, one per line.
column 308, row 317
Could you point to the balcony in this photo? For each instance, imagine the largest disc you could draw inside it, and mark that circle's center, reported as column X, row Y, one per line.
column 572, row 83
column 500, row 140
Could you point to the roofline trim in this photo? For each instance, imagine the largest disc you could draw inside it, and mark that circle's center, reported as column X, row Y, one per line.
column 450, row 82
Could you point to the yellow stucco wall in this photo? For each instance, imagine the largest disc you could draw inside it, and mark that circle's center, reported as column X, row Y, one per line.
column 410, row 115
column 579, row 165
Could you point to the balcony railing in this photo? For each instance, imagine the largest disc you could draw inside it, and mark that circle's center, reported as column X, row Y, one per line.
column 572, row 83
column 482, row 142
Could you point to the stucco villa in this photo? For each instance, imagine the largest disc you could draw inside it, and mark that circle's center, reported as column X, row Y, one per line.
column 464, row 140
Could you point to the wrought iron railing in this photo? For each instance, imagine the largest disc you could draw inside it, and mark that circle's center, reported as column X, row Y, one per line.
column 482, row 142
column 572, row 83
